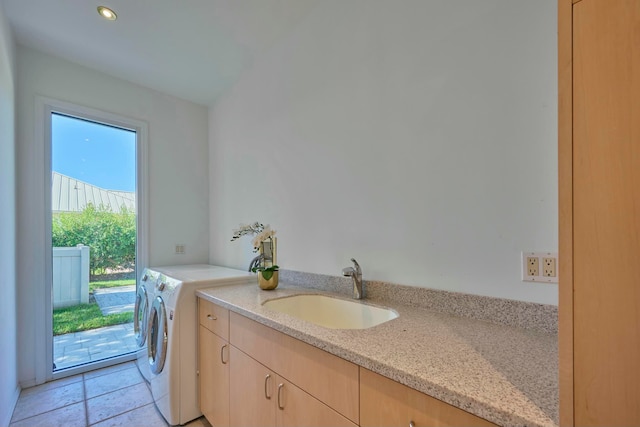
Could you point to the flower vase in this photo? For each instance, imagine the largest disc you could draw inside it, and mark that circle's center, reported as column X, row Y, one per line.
column 268, row 284
column 268, row 249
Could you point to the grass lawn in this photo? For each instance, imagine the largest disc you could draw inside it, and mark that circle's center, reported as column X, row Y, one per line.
column 83, row 317
column 110, row 284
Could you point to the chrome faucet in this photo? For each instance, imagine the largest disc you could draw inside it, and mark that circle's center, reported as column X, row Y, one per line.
column 256, row 261
column 356, row 274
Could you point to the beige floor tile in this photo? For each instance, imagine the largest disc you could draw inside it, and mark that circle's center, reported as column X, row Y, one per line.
column 47, row 400
column 109, row 370
column 198, row 422
column 112, row 381
column 146, row 416
column 69, row 416
column 51, row 385
column 118, row 402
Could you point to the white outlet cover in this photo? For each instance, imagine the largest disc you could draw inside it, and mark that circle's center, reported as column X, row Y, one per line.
column 539, row 277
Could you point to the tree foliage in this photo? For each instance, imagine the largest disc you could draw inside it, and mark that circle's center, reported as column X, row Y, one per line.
column 111, row 236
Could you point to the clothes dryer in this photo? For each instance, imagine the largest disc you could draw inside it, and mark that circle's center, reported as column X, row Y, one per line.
column 172, row 335
column 144, row 298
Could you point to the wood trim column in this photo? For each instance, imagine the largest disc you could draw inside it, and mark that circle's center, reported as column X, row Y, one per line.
column 565, row 208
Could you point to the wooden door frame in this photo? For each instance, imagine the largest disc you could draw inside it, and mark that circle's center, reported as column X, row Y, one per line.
column 565, row 208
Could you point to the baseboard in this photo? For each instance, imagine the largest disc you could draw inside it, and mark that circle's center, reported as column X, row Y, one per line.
column 5, row 419
column 28, row 384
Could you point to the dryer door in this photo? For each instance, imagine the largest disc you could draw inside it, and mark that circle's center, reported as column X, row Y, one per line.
column 141, row 316
column 157, row 336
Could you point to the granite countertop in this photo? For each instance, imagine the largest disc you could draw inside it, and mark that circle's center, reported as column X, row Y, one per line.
column 504, row 374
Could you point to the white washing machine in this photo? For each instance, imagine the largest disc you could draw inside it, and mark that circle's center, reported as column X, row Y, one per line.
column 144, row 298
column 172, row 335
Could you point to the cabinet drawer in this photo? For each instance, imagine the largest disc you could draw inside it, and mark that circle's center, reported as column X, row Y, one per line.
column 384, row 402
column 214, row 318
column 330, row 379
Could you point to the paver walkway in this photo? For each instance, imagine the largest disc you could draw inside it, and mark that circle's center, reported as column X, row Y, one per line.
column 96, row 344
column 116, row 300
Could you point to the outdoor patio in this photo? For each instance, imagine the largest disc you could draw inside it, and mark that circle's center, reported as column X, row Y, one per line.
column 96, row 344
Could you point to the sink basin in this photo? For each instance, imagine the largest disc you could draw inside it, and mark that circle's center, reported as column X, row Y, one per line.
column 331, row 312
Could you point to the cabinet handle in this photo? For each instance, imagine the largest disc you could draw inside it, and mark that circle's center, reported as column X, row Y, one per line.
column 211, row 317
column 222, row 355
column 266, row 388
column 280, row 387
column 412, row 424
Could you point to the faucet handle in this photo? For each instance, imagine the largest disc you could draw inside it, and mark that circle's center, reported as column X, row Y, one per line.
column 356, row 275
column 355, row 263
column 348, row 271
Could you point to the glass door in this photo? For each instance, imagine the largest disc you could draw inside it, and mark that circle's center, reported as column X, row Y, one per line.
column 94, row 241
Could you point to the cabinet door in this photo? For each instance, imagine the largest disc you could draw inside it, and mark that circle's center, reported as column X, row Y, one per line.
column 606, row 212
column 296, row 408
column 328, row 378
column 384, row 402
column 214, row 378
column 252, row 391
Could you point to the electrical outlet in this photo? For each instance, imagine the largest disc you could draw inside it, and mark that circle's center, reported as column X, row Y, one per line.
column 180, row 248
column 540, row 267
column 533, row 266
column 549, row 267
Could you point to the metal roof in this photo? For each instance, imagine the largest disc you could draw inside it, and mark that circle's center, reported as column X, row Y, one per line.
column 71, row 195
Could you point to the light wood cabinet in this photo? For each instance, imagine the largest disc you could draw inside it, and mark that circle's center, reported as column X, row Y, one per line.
column 384, row 402
column 298, row 408
column 214, row 378
column 599, row 205
column 290, row 384
column 330, row 379
column 268, row 378
column 252, row 392
column 213, row 361
column 214, row 318
column 260, row 397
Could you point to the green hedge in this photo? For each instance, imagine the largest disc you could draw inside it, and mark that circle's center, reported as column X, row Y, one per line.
column 111, row 236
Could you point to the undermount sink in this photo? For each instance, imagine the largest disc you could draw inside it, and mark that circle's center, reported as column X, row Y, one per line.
column 334, row 313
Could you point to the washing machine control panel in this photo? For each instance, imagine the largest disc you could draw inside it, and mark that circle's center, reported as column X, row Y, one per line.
column 166, row 286
column 149, row 276
column 162, row 282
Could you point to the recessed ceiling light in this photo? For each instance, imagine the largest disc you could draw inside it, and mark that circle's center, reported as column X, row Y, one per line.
column 107, row 13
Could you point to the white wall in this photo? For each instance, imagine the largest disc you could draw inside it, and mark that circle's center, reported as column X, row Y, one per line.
column 8, row 354
column 178, row 180
column 417, row 136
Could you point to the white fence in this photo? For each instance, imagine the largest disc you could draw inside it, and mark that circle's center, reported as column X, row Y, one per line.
column 70, row 276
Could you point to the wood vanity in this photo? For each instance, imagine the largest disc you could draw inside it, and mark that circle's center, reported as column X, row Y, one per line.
column 251, row 374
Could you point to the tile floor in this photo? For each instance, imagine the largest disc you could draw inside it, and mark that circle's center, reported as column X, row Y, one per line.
column 113, row 396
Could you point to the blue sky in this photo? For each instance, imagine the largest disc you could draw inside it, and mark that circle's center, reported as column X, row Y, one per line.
column 100, row 155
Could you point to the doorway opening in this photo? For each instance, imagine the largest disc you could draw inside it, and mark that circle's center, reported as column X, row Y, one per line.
column 94, row 240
